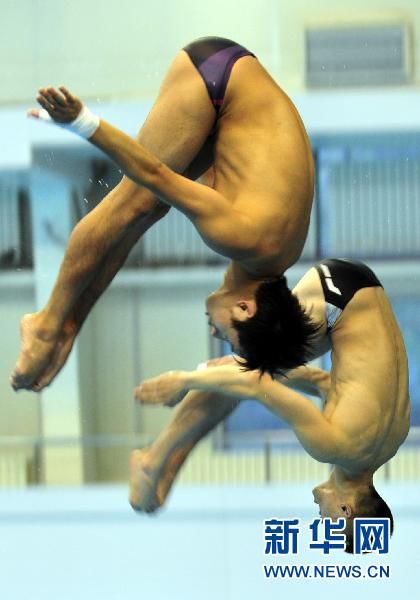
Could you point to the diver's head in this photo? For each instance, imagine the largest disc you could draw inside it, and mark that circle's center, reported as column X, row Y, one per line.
column 274, row 333
column 223, row 309
column 357, row 501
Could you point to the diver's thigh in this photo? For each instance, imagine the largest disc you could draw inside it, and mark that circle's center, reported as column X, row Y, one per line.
column 182, row 117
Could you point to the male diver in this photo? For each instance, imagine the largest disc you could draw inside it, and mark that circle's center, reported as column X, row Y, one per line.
column 217, row 109
column 365, row 413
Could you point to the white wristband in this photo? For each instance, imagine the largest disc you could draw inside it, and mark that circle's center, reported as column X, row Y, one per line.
column 84, row 125
column 201, row 366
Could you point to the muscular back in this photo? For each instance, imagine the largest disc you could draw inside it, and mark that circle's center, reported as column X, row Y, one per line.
column 263, row 164
column 369, row 379
column 368, row 399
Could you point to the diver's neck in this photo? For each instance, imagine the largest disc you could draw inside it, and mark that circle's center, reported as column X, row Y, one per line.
column 313, row 304
column 345, row 480
column 314, row 308
column 237, row 281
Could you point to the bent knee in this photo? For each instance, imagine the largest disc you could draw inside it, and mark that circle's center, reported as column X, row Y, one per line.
column 137, row 202
column 153, row 211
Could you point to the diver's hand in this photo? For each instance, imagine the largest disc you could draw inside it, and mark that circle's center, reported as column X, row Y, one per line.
column 168, row 389
column 60, row 104
column 61, row 108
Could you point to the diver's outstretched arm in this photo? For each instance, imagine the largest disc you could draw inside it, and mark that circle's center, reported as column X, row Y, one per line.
column 323, row 440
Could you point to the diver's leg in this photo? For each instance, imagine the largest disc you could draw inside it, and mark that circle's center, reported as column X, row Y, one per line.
column 154, row 469
column 109, row 267
column 175, row 130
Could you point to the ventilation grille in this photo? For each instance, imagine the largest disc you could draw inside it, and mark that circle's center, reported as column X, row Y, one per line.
column 357, row 56
column 371, row 203
column 15, row 224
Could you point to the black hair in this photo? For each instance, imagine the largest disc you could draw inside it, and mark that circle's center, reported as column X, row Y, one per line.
column 278, row 337
column 370, row 505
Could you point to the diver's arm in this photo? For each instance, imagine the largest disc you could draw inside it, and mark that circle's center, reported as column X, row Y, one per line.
column 309, row 380
column 321, row 439
column 214, row 215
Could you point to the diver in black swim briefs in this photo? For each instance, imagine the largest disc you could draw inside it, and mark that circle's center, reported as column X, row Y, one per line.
column 362, row 423
column 340, row 280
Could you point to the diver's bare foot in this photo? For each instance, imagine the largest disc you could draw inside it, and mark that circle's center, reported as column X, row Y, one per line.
column 37, row 349
column 170, row 471
column 149, row 486
column 143, row 482
column 59, row 357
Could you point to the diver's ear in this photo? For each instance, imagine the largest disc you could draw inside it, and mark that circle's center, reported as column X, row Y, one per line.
column 244, row 310
column 347, row 510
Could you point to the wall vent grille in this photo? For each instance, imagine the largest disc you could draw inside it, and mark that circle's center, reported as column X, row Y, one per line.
column 358, row 55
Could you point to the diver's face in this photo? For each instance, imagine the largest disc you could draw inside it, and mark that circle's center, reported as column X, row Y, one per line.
column 330, row 505
column 219, row 313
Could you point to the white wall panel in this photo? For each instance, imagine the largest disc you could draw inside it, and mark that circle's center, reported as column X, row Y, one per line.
column 121, row 49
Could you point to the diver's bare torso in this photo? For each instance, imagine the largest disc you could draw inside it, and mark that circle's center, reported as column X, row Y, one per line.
column 263, row 164
column 368, row 397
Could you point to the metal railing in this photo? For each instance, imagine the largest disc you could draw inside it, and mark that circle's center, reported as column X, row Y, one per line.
column 273, row 457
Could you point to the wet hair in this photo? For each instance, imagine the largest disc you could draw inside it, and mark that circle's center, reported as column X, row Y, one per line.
column 370, row 505
column 278, row 337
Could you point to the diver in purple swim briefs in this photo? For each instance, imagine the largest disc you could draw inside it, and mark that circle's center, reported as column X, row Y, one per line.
column 224, row 145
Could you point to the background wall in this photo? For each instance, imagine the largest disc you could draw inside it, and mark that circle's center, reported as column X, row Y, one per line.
column 19, row 414
column 134, row 333
column 116, row 55
column 86, row 542
column 121, row 49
